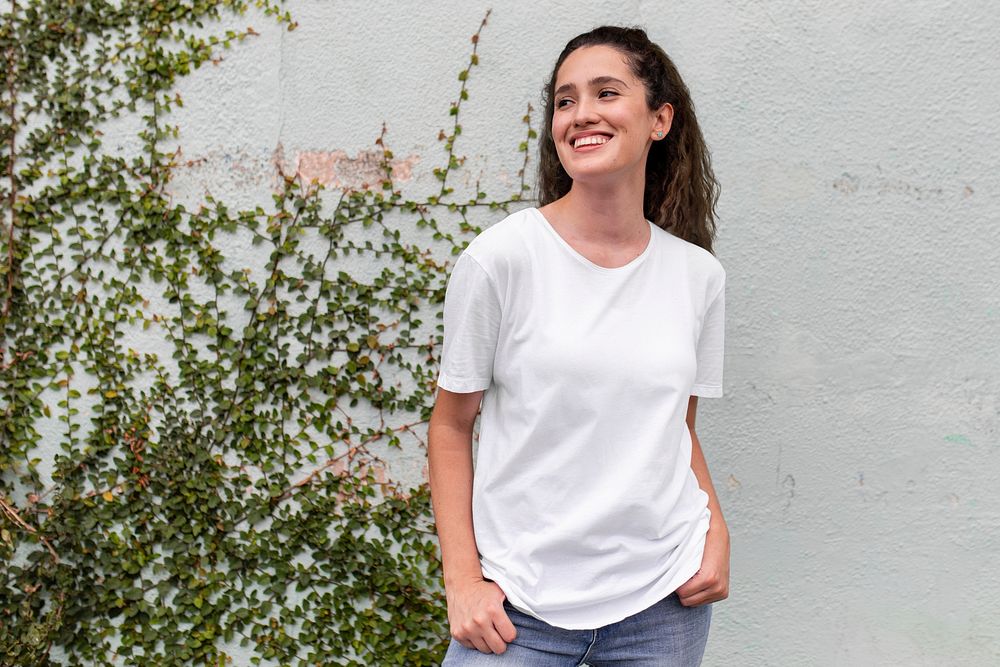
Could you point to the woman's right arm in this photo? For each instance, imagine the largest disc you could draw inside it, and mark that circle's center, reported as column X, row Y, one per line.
column 475, row 605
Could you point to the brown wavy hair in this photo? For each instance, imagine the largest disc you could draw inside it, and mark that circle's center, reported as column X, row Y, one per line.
column 681, row 191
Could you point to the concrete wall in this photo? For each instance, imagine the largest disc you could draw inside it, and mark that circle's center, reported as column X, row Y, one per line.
column 856, row 450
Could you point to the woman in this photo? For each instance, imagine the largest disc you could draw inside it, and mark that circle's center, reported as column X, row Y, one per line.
column 590, row 531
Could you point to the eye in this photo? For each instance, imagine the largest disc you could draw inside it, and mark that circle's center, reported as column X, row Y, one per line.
column 562, row 102
column 607, row 92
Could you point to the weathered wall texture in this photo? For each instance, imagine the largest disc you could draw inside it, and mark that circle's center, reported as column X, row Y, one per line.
column 856, row 450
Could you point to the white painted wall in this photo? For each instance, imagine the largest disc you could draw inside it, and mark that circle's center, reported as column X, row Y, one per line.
column 856, row 450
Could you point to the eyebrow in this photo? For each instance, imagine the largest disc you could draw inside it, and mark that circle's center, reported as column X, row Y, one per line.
column 596, row 81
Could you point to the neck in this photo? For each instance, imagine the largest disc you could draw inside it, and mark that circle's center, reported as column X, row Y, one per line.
column 603, row 214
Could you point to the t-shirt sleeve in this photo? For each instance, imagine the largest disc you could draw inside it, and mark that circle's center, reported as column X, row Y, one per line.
column 711, row 344
column 471, row 326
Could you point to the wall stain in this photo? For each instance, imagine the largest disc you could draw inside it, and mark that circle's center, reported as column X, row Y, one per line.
column 735, row 485
column 847, row 183
column 789, row 485
column 958, row 439
column 881, row 185
column 757, row 389
column 869, row 495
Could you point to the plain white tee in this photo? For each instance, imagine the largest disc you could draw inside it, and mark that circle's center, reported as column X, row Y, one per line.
column 585, row 507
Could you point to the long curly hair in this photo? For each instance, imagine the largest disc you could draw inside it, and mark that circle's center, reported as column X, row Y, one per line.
column 681, row 191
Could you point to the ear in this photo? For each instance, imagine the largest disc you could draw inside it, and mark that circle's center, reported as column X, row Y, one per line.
column 662, row 119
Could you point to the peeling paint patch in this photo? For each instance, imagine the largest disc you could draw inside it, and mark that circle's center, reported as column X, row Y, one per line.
column 339, row 170
column 958, row 439
column 240, row 169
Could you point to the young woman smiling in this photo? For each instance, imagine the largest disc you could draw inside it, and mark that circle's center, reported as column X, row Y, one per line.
column 586, row 330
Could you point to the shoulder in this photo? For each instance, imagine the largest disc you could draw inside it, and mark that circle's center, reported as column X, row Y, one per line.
column 502, row 245
column 704, row 269
column 503, row 236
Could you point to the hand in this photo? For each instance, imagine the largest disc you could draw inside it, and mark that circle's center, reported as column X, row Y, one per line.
column 477, row 618
column 711, row 582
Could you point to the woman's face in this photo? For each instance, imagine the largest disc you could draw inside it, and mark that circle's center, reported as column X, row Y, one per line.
column 601, row 124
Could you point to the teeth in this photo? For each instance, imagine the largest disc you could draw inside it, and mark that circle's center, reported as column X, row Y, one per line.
column 592, row 140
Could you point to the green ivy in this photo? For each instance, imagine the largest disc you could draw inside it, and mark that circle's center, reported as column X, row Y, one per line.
column 230, row 495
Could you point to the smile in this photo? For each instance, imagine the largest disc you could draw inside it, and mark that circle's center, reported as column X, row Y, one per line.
column 592, row 140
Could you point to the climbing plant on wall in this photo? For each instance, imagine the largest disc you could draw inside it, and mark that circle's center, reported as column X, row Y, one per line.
column 231, row 493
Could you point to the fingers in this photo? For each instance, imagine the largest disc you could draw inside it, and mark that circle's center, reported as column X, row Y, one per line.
column 688, row 587
column 487, row 642
column 477, row 616
column 487, row 633
column 493, row 640
column 703, row 588
column 504, row 627
column 691, row 586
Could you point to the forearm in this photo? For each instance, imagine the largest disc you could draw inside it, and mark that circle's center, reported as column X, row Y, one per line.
column 711, row 582
column 449, row 456
column 700, row 468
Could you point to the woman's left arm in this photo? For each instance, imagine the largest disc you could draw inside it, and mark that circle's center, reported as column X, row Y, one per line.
column 711, row 582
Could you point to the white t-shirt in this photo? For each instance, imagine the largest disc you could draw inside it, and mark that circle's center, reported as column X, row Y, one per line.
column 585, row 507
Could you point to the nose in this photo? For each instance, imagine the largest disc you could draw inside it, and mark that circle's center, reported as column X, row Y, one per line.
column 586, row 113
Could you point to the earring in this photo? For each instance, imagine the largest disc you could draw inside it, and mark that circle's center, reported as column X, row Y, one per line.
column 659, row 135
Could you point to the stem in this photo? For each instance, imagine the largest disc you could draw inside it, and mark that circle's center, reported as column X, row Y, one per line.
column 12, row 198
column 16, row 518
column 473, row 61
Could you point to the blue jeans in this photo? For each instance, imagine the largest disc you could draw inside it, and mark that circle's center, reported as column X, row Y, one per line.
column 666, row 634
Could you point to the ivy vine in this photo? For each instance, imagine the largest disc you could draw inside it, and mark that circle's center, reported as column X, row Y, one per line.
column 234, row 494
